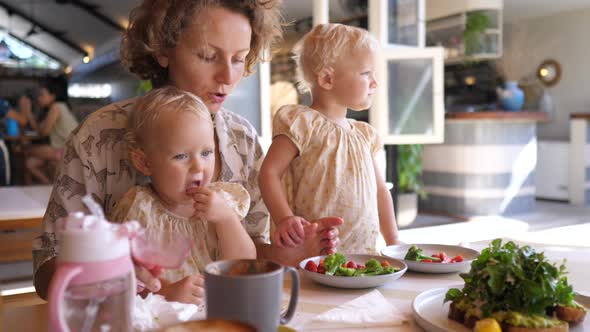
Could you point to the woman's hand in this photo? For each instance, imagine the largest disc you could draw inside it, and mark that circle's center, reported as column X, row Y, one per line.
column 211, row 206
column 191, row 289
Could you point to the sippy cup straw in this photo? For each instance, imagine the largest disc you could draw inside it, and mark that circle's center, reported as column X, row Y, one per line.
column 94, row 208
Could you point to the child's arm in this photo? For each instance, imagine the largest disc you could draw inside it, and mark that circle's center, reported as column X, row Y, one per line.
column 289, row 228
column 234, row 241
column 387, row 221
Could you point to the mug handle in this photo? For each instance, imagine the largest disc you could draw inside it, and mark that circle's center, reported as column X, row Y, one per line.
column 286, row 317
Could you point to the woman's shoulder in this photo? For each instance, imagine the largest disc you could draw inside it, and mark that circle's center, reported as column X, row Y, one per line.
column 112, row 116
column 236, row 121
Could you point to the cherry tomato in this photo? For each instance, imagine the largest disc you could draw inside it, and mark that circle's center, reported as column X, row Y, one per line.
column 385, row 264
column 457, row 259
column 351, row 265
column 321, row 270
column 321, row 262
column 311, row 266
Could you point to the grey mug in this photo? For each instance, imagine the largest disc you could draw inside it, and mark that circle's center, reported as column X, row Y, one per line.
column 249, row 291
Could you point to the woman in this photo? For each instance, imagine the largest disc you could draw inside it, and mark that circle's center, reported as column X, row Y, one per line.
column 57, row 125
column 201, row 46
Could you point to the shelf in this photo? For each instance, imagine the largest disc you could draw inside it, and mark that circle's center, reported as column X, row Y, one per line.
column 448, row 32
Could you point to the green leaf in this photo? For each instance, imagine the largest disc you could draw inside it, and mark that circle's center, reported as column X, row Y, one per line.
column 333, row 262
column 453, row 294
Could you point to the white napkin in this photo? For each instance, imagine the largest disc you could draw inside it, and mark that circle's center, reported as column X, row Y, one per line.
column 154, row 312
column 369, row 310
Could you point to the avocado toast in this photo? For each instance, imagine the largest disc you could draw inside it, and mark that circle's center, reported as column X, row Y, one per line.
column 519, row 288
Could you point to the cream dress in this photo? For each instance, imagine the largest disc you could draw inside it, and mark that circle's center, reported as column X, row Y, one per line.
column 333, row 174
column 141, row 203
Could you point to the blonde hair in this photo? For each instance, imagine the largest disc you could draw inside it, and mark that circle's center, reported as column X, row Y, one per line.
column 150, row 107
column 156, row 25
column 323, row 45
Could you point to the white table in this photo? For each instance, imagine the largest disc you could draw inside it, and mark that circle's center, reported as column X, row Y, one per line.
column 21, row 211
column 23, row 207
column 315, row 299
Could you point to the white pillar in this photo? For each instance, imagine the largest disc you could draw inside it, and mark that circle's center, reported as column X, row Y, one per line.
column 577, row 162
column 321, row 12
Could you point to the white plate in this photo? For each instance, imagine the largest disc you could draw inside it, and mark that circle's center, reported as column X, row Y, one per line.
column 355, row 282
column 431, row 314
column 399, row 252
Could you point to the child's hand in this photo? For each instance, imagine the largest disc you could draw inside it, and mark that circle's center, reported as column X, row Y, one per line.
column 191, row 289
column 289, row 232
column 211, row 206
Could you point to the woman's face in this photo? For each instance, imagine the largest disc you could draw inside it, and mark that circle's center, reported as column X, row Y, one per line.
column 45, row 98
column 209, row 59
column 24, row 102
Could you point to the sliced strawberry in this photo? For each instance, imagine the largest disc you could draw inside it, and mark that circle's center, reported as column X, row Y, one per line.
column 351, row 265
column 385, row 264
column 321, row 270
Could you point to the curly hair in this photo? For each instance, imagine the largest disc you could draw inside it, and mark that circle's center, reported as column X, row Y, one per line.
column 148, row 109
column 156, row 25
column 323, row 45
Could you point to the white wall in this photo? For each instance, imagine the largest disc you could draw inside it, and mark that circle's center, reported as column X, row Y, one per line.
column 563, row 37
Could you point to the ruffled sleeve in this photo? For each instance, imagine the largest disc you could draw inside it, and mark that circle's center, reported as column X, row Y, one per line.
column 235, row 195
column 370, row 133
column 126, row 209
column 297, row 123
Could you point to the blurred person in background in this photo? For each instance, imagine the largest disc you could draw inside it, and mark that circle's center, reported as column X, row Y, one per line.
column 58, row 123
column 7, row 112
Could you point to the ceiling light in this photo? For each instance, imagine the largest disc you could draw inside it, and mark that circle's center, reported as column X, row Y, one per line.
column 86, row 59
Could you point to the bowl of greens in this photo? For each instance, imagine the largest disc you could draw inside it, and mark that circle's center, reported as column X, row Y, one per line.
column 352, row 271
column 432, row 258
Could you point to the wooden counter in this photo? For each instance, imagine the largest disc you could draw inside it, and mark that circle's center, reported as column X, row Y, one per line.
column 583, row 116
column 499, row 115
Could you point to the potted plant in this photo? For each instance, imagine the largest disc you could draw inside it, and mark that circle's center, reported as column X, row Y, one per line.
column 475, row 27
column 409, row 182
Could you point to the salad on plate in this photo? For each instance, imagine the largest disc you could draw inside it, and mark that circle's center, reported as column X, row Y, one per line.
column 516, row 289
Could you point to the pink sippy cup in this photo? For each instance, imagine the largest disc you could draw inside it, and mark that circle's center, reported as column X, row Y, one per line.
column 93, row 288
